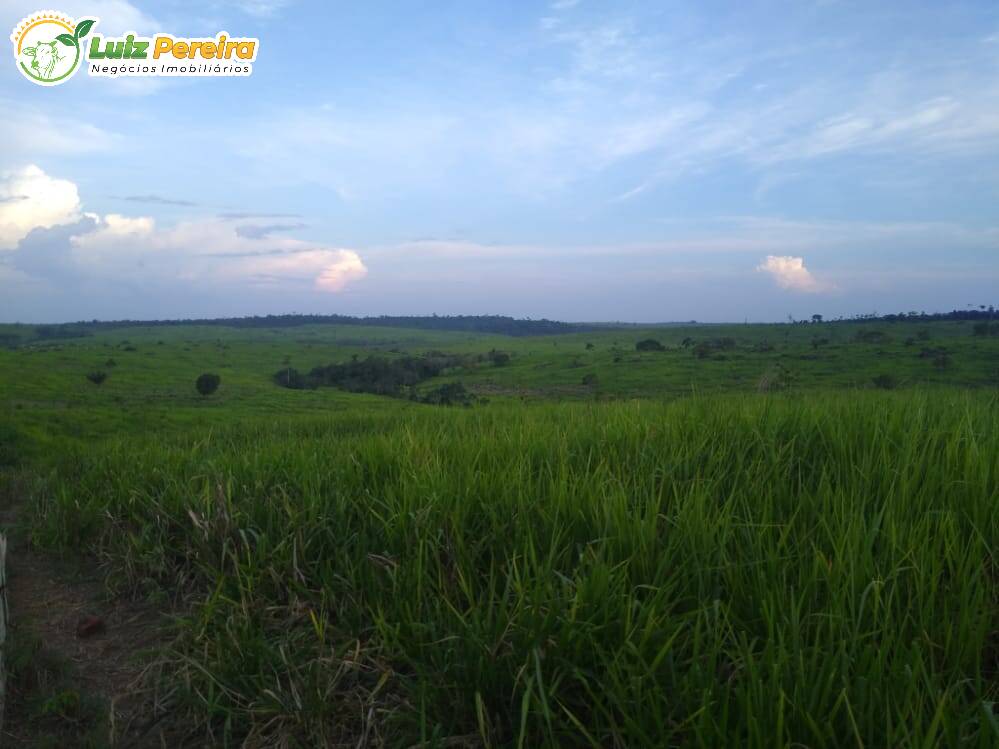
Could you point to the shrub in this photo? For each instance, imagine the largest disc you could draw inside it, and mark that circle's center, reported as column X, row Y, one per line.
column 499, row 358
column 377, row 374
column 885, row 382
column 208, row 383
column 97, row 376
column 110, row 363
column 450, row 394
column 290, row 377
column 649, row 344
column 591, row 380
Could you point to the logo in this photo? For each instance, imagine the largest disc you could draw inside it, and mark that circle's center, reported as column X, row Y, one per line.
column 48, row 47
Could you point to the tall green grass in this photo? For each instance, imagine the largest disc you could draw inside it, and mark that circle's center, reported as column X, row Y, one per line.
column 740, row 571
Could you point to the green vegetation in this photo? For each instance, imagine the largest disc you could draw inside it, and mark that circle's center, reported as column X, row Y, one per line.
column 40, row 678
column 207, row 383
column 776, row 543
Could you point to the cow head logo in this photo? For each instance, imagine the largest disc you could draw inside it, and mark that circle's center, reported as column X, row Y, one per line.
column 47, row 46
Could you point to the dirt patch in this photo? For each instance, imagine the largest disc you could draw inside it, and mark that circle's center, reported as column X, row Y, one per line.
column 75, row 657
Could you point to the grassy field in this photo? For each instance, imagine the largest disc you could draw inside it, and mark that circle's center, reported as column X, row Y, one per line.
column 665, row 556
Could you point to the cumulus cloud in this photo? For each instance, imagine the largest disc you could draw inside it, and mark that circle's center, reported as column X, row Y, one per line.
column 48, row 237
column 212, row 250
column 346, row 268
column 30, row 199
column 791, row 273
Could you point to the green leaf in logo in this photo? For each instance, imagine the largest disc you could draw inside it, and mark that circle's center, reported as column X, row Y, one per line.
column 83, row 28
column 67, row 40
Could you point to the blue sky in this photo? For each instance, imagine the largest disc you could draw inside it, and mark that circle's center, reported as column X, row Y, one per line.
column 572, row 160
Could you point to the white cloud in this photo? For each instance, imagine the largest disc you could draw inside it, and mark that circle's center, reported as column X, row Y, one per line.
column 791, row 273
column 116, row 225
column 30, row 199
column 121, row 248
column 345, row 269
column 33, row 133
column 329, row 270
column 211, row 251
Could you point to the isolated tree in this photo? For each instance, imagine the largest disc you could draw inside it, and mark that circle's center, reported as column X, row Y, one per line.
column 97, row 376
column 816, row 318
column 208, row 383
column 649, row 344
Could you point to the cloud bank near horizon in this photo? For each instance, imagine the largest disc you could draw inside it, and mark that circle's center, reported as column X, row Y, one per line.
column 86, row 264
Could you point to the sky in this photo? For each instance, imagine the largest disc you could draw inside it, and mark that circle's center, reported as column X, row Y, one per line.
column 569, row 159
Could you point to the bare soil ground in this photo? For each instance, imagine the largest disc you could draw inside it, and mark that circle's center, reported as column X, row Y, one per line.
column 67, row 690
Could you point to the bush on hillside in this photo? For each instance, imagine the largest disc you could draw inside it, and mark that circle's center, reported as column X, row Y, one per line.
column 208, row 383
column 450, row 394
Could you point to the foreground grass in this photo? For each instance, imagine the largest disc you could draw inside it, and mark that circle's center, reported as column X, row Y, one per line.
column 741, row 571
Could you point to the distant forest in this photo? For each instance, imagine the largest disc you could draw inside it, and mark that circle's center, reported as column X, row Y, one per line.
column 500, row 324
column 466, row 323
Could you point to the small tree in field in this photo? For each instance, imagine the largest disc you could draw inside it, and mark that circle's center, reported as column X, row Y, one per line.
column 97, row 376
column 208, row 383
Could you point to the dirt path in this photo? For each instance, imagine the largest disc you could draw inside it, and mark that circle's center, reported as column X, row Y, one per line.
column 74, row 656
